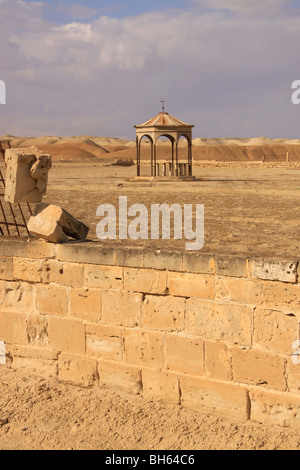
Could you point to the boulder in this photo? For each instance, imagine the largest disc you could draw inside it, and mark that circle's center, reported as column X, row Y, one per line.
column 54, row 224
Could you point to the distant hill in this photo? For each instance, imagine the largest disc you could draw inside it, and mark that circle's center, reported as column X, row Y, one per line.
column 70, row 148
column 220, row 149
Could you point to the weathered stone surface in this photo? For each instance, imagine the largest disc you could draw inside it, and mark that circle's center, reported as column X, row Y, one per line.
column 184, row 355
column 37, row 329
column 118, row 376
column 191, row 285
column 104, row 342
column 26, row 174
column 274, row 331
column 145, row 348
column 282, row 295
column 63, row 274
column 87, row 253
column 272, row 408
column 52, row 300
column 259, row 368
column 6, row 269
column 161, row 386
column 212, row 341
column 28, row 270
column 273, row 270
column 229, row 265
column 121, row 308
column 66, row 335
column 219, row 321
column 37, row 359
column 77, row 370
column 198, row 263
column 17, row 296
column 104, row 277
column 218, row 361
column 85, row 304
column 164, row 260
column 13, row 327
column 166, row 313
column 148, row 281
column 54, row 224
column 239, row 290
column 223, row 399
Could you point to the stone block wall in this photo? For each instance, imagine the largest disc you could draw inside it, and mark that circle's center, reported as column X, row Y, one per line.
column 210, row 333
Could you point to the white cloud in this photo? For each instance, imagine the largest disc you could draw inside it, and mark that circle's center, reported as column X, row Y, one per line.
column 228, row 74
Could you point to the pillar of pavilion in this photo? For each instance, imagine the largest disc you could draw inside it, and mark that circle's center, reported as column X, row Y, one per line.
column 165, row 125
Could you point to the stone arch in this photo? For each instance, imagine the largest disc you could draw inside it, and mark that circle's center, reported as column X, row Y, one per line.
column 139, row 143
column 168, row 136
column 188, row 137
column 167, row 163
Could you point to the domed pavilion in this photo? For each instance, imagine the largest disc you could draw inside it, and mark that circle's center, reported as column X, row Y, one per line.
column 165, row 125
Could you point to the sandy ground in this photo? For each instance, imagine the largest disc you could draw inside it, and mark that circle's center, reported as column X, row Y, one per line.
column 39, row 414
column 248, row 211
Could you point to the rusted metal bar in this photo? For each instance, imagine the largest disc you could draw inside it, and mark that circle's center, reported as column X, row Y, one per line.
column 12, row 224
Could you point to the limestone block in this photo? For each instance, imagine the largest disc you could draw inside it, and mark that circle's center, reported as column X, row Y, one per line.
column 218, row 321
column 104, row 342
column 63, row 274
column 165, row 313
column 218, row 361
column 117, row 376
column 66, row 335
column 55, row 225
column 184, row 355
column 26, row 174
column 256, row 367
column 52, row 300
column 191, row 285
column 104, row 277
column 121, row 308
column 13, row 327
column 145, row 348
column 77, row 370
column 34, row 359
column 239, row 290
column 161, row 386
column 145, row 280
column 235, row 266
column 273, row 408
column 274, row 270
column 17, row 296
column 85, row 304
column 225, row 400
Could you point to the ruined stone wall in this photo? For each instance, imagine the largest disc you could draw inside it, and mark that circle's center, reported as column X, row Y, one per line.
column 212, row 333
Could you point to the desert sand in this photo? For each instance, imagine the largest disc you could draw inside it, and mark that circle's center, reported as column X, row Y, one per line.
column 44, row 414
column 250, row 208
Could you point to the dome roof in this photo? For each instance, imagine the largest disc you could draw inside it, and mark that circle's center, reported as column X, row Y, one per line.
column 164, row 120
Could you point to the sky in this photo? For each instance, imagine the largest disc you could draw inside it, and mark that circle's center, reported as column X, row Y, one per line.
column 101, row 67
